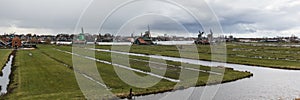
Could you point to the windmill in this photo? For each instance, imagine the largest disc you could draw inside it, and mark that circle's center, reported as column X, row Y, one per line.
column 200, row 35
column 211, row 32
column 80, row 39
column 149, row 31
column 210, row 36
column 81, row 35
column 132, row 34
column 201, row 39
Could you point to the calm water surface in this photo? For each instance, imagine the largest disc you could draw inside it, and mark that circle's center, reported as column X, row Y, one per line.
column 267, row 83
column 4, row 80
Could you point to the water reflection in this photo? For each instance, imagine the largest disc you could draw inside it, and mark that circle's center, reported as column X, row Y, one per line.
column 4, row 80
column 267, row 83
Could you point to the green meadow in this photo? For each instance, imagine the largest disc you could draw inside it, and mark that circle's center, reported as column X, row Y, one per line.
column 40, row 77
column 4, row 53
column 48, row 73
column 264, row 56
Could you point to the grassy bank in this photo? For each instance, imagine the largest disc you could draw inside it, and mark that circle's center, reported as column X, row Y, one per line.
column 40, row 77
column 265, row 56
column 44, row 75
column 4, row 53
column 110, row 77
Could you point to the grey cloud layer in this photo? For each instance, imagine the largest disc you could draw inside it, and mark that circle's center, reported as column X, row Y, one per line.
column 235, row 16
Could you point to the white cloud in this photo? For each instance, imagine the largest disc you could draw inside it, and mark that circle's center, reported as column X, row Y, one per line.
column 18, row 30
column 244, row 17
column 267, row 17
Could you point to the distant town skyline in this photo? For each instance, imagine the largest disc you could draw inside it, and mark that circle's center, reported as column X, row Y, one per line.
column 240, row 18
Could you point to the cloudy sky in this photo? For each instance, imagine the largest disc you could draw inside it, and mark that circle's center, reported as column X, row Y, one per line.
column 241, row 18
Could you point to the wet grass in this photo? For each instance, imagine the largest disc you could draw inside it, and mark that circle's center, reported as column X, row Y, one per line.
column 4, row 53
column 265, row 56
column 44, row 75
column 40, row 77
column 110, row 77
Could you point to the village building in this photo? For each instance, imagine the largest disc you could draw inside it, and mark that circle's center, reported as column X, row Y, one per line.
column 105, row 38
column 2, row 44
column 144, row 39
column 79, row 39
column 16, row 42
column 201, row 39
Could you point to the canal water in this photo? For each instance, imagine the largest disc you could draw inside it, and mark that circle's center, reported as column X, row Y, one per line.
column 4, row 80
column 155, row 42
column 267, row 83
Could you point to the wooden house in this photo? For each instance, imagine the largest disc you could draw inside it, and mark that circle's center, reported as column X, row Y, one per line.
column 16, row 42
column 144, row 39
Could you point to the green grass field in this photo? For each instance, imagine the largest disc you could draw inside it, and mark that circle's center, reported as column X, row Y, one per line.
column 45, row 76
column 40, row 77
column 4, row 53
column 265, row 56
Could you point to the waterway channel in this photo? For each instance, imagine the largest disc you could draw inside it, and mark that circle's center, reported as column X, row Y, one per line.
column 4, row 80
column 267, row 83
